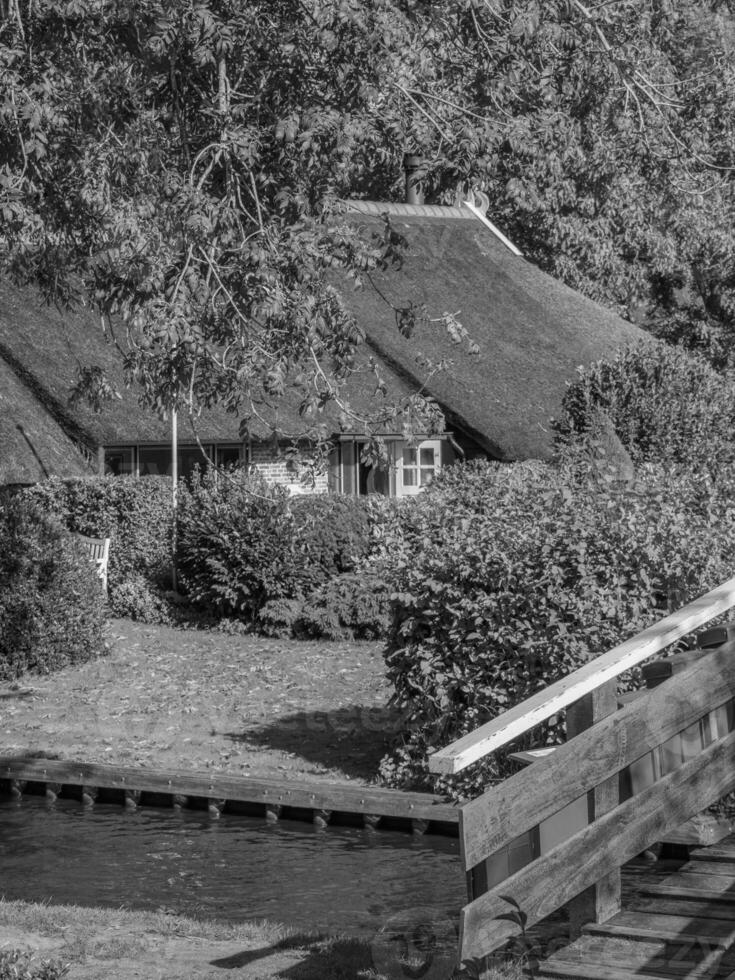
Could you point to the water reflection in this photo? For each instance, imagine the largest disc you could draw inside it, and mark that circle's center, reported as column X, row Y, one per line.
column 338, row 879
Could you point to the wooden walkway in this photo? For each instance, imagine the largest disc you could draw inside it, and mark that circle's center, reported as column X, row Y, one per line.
column 318, row 801
column 680, row 927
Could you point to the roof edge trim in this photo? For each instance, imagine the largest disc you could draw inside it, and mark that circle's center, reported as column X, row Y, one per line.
column 496, row 231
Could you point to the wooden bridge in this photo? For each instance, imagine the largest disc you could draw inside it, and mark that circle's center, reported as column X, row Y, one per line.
column 557, row 833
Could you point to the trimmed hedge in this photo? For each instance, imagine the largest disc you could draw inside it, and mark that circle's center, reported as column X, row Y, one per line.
column 505, row 578
column 668, row 406
column 135, row 513
column 51, row 602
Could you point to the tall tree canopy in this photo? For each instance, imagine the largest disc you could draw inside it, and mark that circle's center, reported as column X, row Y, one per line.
column 181, row 165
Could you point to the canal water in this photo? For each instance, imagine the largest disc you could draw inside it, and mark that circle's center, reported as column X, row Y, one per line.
column 338, row 879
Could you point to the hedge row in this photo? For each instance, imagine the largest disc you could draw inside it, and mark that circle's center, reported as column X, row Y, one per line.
column 245, row 551
column 504, row 579
column 51, row 603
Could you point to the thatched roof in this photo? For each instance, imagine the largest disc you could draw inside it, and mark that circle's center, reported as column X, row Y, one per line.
column 532, row 331
column 33, row 445
column 46, row 347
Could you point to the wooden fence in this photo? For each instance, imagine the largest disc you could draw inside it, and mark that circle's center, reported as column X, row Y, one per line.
column 584, row 868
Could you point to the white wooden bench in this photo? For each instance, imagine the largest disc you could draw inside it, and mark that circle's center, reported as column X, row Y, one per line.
column 99, row 551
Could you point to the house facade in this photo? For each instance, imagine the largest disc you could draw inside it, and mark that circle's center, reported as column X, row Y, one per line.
column 530, row 331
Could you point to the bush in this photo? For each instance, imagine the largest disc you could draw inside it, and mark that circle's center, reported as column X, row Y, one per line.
column 280, row 617
column 331, row 534
column 15, row 964
column 506, row 578
column 51, row 602
column 135, row 513
column 235, row 545
column 139, row 599
column 667, row 405
column 350, row 606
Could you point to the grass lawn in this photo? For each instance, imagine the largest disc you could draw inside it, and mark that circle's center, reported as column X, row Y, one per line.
column 104, row 944
column 202, row 700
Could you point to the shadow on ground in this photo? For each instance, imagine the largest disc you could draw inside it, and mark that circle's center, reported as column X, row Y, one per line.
column 323, row 959
column 352, row 739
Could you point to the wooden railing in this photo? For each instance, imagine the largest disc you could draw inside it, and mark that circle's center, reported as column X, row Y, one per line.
column 584, row 868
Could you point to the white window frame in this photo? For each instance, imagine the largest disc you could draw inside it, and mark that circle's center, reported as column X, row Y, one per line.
column 411, row 489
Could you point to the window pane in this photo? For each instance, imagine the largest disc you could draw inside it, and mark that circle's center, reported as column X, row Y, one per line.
column 409, row 477
column 119, row 462
column 228, row 455
column 155, row 460
column 427, row 475
column 409, row 457
column 427, row 457
column 191, row 456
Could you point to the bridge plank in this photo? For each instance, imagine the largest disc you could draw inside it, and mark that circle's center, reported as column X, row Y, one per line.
column 309, row 795
column 679, row 929
column 505, row 728
column 555, row 878
column 546, row 786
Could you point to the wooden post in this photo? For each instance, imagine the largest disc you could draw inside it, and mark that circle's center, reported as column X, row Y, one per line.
column 602, row 900
column 89, row 795
column 215, row 807
column 272, row 812
column 132, row 799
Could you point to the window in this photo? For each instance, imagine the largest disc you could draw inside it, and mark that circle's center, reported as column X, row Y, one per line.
column 120, row 461
column 418, row 466
column 410, row 468
column 157, row 460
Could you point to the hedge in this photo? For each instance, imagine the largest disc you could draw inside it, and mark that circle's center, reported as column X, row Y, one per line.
column 505, row 578
column 51, row 601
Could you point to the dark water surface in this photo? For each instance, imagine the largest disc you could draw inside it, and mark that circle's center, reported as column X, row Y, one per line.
column 235, row 868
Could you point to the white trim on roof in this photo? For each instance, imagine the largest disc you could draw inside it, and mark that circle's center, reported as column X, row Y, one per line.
column 480, row 213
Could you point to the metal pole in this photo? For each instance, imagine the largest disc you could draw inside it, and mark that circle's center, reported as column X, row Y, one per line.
column 175, row 479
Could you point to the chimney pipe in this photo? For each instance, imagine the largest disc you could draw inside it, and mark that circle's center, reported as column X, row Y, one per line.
column 414, row 166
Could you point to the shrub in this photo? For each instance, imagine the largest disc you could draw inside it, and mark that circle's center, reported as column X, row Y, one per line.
column 279, row 617
column 331, row 533
column 16, row 964
column 235, row 545
column 135, row 513
column 136, row 597
column 507, row 578
column 51, row 603
column 351, row 606
column 667, row 405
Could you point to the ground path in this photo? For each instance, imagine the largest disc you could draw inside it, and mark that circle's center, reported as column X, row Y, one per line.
column 202, row 700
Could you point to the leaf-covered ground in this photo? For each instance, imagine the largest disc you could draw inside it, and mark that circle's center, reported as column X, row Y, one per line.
column 169, row 698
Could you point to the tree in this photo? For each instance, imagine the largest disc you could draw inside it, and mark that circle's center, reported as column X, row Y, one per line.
column 181, row 165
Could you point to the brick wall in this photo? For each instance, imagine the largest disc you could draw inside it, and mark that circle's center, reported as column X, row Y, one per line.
column 277, row 470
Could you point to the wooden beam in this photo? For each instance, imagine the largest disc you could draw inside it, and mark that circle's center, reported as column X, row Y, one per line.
column 601, row 901
column 528, row 797
column 316, row 795
column 511, row 724
column 555, row 878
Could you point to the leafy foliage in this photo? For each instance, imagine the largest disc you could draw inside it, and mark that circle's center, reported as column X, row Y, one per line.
column 236, row 545
column 180, row 166
column 668, row 407
column 16, row 964
column 331, row 534
column 136, row 514
column 507, row 578
column 354, row 605
column 51, row 604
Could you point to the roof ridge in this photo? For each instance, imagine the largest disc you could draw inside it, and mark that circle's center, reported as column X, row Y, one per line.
column 401, row 208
